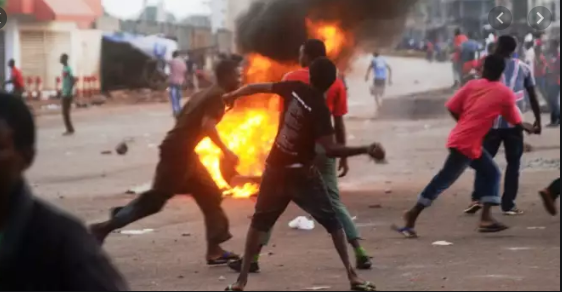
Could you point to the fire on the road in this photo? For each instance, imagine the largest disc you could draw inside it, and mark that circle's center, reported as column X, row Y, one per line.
column 250, row 129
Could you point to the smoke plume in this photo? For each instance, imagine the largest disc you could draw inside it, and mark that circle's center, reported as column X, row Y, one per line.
column 277, row 28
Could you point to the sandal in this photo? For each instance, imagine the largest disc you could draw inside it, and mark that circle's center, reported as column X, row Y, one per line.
column 494, row 228
column 224, row 259
column 365, row 286
column 408, row 233
column 232, row 288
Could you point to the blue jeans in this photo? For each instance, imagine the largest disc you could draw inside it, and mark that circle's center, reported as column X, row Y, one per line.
column 513, row 141
column 175, row 98
column 487, row 172
column 554, row 102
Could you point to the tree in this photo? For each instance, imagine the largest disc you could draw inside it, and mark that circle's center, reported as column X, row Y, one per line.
column 3, row 3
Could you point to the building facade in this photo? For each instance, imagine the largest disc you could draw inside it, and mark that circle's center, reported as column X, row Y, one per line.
column 39, row 31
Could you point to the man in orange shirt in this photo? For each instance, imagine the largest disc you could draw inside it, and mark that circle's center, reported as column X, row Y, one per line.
column 16, row 79
column 336, row 99
column 460, row 38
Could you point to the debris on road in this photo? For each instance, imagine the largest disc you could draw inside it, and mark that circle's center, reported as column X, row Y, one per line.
column 375, row 206
column 302, row 223
column 107, row 152
column 222, row 278
column 122, row 148
column 388, row 191
column 518, row 248
column 442, row 243
column 136, row 232
column 542, row 163
column 186, row 235
column 537, row 228
column 318, row 288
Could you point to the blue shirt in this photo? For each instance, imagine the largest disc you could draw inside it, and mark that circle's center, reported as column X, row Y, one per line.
column 517, row 76
column 469, row 50
column 380, row 68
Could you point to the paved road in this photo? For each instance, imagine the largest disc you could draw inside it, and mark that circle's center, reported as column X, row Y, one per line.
column 71, row 172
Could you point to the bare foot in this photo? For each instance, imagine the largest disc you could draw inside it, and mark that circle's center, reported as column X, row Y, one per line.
column 409, row 220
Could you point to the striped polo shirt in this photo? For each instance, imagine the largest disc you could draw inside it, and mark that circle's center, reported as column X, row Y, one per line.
column 517, row 76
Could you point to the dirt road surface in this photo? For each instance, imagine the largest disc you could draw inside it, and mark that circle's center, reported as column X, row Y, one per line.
column 72, row 173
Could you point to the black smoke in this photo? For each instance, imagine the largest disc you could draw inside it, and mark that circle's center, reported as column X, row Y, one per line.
column 277, row 28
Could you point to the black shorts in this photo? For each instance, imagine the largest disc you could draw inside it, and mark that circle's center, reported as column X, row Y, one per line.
column 304, row 187
column 184, row 174
column 380, row 83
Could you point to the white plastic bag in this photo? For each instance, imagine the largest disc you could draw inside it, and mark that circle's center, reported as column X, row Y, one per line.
column 302, row 223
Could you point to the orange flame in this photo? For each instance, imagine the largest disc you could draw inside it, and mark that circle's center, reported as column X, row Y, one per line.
column 337, row 40
column 250, row 129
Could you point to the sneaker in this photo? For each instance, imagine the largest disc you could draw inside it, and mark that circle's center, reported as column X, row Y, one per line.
column 514, row 212
column 237, row 266
column 364, row 263
column 473, row 208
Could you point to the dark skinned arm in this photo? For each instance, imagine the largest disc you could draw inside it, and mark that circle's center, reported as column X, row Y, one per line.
column 247, row 90
column 335, row 150
column 210, row 129
column 341, row 138
column 535, row 105
column 369, row 70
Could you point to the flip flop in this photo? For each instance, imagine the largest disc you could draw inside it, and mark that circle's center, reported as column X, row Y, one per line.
column 408, row 233
column 365, row 286
column 494, row 228
column 224, row 259
column 231, row 288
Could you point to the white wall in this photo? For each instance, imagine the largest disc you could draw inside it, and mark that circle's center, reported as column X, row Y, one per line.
column 12, row 40
column 86, row 52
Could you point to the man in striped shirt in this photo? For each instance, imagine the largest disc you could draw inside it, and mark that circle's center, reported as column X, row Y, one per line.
column 518, row 77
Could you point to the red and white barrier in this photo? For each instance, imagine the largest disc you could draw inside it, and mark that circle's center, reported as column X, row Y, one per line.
column 85, row 87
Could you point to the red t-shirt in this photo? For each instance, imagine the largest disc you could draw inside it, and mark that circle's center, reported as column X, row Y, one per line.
column 17, row 78
column 541, row 66
column 479, row 103
column 474, row 64
column 459, row 40
column 336, row 97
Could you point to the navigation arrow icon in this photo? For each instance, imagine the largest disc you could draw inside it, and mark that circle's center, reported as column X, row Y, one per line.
column 541, row 18
column 499, row 18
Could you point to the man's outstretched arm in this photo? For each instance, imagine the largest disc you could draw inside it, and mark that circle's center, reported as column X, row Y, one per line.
column 247, row 90
column 335, row 150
